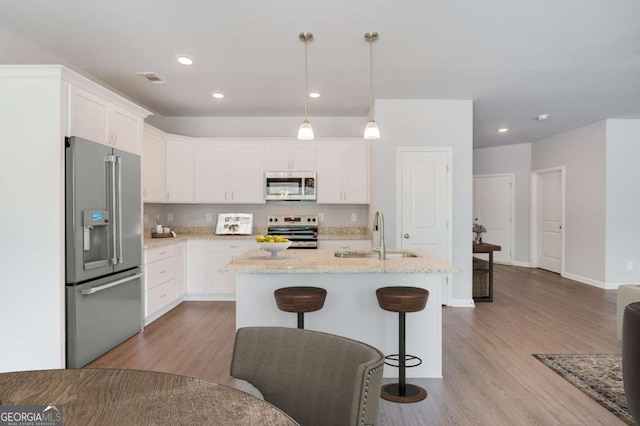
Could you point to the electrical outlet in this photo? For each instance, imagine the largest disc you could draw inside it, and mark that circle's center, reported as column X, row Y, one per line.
column 169, row 217
column 146, row 218
column 321, row 217
column 629, row 266
column 209, row 219
column 354, row 217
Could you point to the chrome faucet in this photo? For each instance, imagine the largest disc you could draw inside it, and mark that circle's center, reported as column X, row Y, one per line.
column 378, row 225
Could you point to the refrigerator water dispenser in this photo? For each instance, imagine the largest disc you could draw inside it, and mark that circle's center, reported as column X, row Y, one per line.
column 95, row 238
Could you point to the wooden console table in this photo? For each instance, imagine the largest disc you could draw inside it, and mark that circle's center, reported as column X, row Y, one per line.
column 486, row 248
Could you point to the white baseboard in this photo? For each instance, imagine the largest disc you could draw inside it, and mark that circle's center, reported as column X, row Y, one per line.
column 523, row 264
column 461, row 303
column 592, row 282
column 221, row 297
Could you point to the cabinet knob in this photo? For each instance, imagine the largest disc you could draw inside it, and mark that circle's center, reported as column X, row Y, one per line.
column 406, row 236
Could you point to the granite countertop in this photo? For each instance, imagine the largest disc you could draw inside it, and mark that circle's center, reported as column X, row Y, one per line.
column 324, row 261
column 158, row 242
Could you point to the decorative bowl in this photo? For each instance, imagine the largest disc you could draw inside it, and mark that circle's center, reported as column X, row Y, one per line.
column 274, row 248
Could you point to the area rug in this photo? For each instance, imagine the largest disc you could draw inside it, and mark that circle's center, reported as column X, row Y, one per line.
column 599, row 376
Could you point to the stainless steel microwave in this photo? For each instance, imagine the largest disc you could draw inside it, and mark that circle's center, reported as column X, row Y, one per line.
column 290, row 186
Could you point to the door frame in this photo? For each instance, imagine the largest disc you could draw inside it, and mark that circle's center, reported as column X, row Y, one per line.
column 533, row 247
column 512, row 176
column 447, row 278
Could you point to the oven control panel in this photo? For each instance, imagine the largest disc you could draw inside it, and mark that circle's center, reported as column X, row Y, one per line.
column 293, row 220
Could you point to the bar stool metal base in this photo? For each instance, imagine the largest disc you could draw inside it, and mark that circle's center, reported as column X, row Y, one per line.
column 412, row 393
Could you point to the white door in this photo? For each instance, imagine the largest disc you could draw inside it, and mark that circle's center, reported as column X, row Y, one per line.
column 492, row 207
column 425, row 206
column 425, row 201
column 549, row 223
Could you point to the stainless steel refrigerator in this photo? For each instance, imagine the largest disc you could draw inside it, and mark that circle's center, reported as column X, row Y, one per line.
column 104, row 304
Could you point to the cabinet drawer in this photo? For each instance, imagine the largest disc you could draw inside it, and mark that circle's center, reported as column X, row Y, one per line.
column 160, row 296
column 154, row 254
column 159, row 272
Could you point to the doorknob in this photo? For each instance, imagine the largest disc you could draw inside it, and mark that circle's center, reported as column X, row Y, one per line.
column 560, row 226
column 406, row 235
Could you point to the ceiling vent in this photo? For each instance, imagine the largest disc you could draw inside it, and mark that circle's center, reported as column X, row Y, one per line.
column 152, row 77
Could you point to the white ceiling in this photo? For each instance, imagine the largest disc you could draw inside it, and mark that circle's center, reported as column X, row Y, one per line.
column 577, row 60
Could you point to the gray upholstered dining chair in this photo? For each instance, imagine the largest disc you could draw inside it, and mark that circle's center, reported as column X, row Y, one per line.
column 316, row 378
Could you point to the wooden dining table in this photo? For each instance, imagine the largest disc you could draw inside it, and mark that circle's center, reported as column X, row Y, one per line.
column 136, row 397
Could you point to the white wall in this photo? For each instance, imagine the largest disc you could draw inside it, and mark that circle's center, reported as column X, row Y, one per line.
column 583, row 152
column 623, row 202
column 258, row 126
column 428, row 123
column 32, row 216
column 514, row 159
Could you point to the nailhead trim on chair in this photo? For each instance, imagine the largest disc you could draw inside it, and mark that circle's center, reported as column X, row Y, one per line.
column 366, row 393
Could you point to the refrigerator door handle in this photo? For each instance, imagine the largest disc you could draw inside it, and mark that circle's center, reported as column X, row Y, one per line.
column 92, row 290
column 119, row 167
column 114, row 236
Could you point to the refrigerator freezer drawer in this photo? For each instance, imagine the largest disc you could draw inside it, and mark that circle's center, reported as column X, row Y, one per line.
column 102, row 314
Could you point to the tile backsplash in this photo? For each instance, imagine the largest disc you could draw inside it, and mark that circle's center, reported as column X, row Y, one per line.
column 196, row 215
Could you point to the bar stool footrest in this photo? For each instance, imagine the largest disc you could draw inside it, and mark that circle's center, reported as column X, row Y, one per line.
column 395, row 358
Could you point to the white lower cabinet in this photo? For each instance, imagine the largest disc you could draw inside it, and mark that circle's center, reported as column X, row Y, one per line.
column 205, row 281
column 160, row 283
column 344, row 244
column 181, row 269
column 219, row 253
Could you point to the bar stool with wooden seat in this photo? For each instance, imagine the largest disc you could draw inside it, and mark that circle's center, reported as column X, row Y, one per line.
column 300, row 300
column 402, row 300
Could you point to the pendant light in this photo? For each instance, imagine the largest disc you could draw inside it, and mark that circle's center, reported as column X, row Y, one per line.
column 371, row 130
column 305, row 132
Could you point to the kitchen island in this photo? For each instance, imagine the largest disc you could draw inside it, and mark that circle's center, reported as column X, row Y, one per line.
column 351, row 308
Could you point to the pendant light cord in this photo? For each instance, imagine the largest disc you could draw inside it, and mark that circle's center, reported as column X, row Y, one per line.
column 371, row 115
column 306, row 77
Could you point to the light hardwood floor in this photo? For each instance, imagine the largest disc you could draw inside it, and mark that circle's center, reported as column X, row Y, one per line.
column 490, row 377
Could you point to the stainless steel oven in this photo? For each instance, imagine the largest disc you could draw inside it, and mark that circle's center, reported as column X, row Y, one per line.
column 290, row 186
column 302, row 231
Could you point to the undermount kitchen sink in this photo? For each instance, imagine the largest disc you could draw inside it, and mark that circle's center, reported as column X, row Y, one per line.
column 372, row 254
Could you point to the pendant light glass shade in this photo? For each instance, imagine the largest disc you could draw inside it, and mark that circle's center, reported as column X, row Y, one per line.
column 371, row 130
column 305, row 132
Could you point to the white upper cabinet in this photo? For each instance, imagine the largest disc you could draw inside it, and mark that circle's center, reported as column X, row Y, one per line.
column 179, row 170
column 211, row 170
column 229, row 172
column 246, row 173
column 100, row 121
column 299, row 156
column 153, row 166
column 125, row 130
column 343, row 172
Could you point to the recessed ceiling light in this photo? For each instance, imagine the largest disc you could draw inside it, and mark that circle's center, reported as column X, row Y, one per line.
column 217, row 95
column 503, row 130
column 185, row 60
column 542, row 117
column 314, row 94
